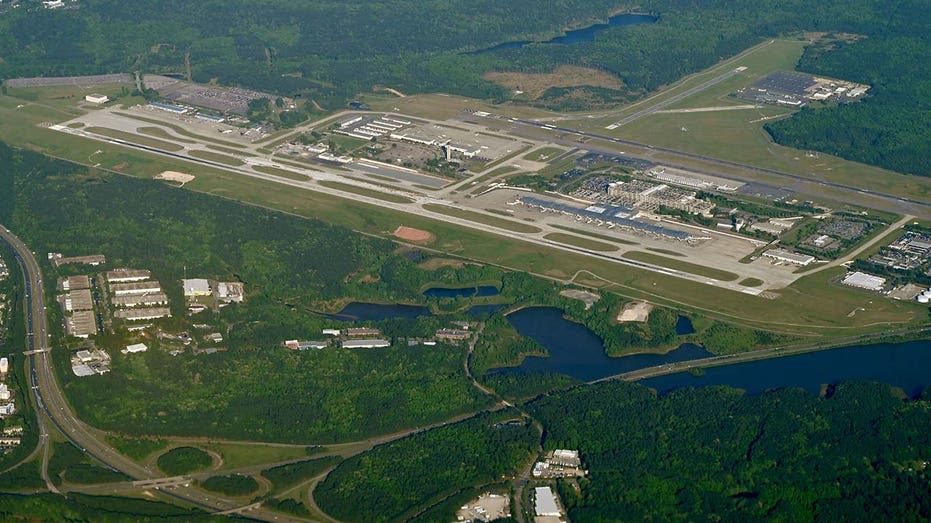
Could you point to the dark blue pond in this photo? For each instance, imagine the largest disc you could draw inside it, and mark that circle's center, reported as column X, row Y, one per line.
column 904, row 365
column 684, row 326
column 576, row 351
column 464, row 292
column 586, row 34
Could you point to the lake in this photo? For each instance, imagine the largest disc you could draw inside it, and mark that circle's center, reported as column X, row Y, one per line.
column 575, row 36
column 576, row 351
column 904, row 365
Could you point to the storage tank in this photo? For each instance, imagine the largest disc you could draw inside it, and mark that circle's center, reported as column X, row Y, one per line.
column 923, row 299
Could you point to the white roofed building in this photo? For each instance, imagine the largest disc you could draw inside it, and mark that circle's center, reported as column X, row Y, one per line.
column 785, row 256
column 545, row 502
column 95, row 98
column 862, row 280
column 196, row 287
column 136, row 347
column 366, row 343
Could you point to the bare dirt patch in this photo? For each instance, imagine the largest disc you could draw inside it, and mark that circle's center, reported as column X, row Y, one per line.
column 588, row 298
column 534, row 84
column 410, row 234
column 635, row 311
column 174, row 176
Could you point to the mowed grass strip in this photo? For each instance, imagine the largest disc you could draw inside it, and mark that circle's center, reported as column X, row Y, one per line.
column 503, row 159
column 180, row 130
column 482, row 218
column 373, row 182
column 751, row 282
column 593, row 234
column 666, row 252
column 228, row 150
column 543, row 154
column 388, row 197
column 577, row 241
column 135, row 138
column 679, row 265
column 284, row 173
column 158, row 132
column 217, row 157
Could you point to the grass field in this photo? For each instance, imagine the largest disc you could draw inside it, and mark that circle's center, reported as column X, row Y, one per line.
column 665, row 251
column 506, row 158
column 284, row 173
column 216, row 157
column 237, row 455
column 680, row 265
column 347, row 143
column 780, row 55
column 577, row 241
column 393, row 198
column 71, row 96
column 478, row 185
column 543, row 154
column 751, row 282
column 760, row 59
column 228, row 150
column 482, row 218
column 134, row 138
column 535, row 84
column 374, row 180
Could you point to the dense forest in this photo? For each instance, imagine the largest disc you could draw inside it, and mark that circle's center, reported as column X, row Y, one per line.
column 387, row 482
column 714, row 454
column 80, row 508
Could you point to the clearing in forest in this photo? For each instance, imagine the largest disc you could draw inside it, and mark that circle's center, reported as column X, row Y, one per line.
column 535, row 84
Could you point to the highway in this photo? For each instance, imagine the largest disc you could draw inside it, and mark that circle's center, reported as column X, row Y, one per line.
column 53, row 407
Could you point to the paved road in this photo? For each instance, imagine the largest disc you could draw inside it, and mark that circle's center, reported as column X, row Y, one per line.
column 51, row 405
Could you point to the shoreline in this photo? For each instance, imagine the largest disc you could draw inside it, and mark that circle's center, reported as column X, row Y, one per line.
column 904, row 336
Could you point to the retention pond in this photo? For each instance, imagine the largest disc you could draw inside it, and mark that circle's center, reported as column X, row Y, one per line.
column 576, row 351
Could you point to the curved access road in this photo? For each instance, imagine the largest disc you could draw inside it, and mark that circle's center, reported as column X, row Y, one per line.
column 52, row 405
